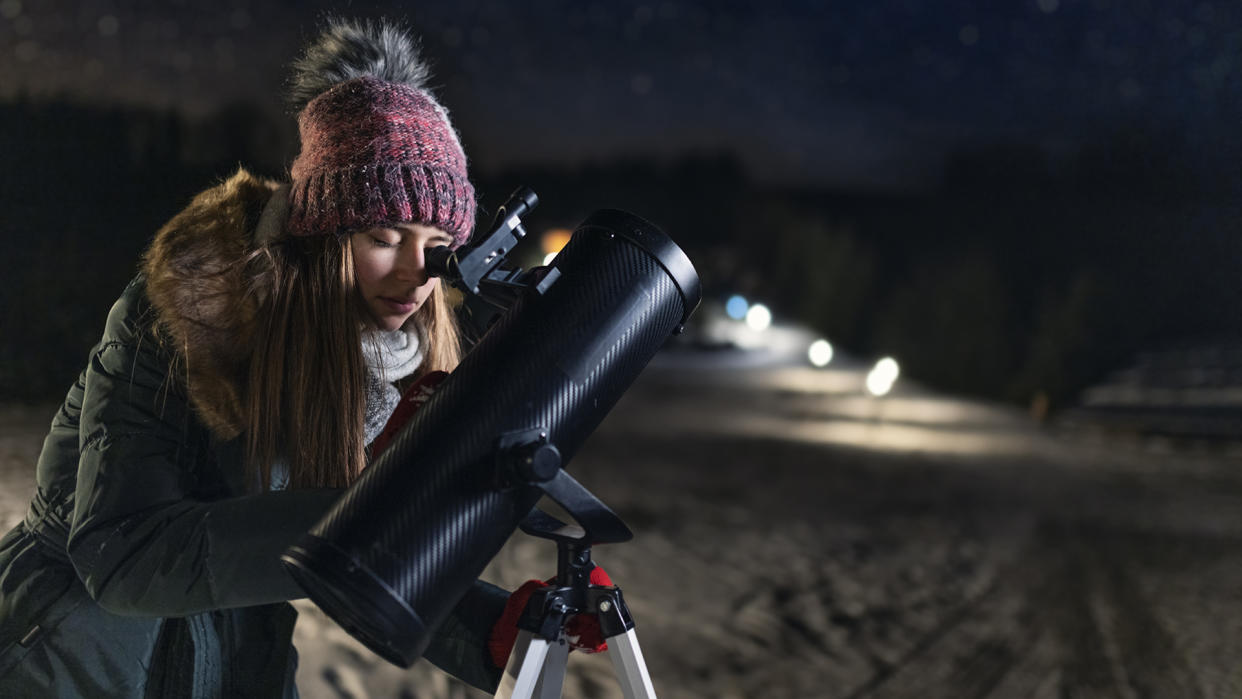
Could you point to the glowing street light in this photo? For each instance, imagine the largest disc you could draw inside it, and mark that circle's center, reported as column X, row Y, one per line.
column 552, row 242
column 736, row 307
column 758, row 317
column 882, row 376
column 820, row 353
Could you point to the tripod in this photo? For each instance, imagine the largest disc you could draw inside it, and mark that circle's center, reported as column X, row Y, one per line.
column 537, row 664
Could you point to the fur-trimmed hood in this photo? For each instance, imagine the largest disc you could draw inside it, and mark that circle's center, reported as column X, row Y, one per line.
column 196, row 280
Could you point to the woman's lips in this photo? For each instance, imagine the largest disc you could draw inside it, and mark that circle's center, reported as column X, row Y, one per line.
column 397, row 305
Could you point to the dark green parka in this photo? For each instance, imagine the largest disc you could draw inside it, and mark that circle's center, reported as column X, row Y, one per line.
column 144, row 566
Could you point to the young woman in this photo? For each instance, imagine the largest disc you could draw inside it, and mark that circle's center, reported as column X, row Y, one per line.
column 237, row 385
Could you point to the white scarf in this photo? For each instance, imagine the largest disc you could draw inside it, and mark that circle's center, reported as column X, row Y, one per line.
column 391, row 355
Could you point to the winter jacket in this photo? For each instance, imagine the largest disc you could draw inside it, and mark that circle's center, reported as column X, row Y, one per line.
column 144, row 567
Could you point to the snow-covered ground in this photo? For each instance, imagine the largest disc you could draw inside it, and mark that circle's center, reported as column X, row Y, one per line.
column 796, row 537
column 1190, row 394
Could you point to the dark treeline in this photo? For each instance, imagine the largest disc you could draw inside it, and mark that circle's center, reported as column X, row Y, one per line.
column 82, row 191
column 1022, row 273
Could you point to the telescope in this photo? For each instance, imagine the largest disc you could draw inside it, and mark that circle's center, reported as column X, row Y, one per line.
column 406, row 540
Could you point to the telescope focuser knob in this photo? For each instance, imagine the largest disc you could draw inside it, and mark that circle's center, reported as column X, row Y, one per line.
column 537, row 463
column 527, row 457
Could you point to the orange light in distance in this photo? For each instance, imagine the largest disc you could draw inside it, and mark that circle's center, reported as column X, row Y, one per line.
column 554, row 239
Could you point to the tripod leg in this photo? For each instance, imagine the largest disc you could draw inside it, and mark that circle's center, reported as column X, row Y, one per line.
column 524, row 668
column 553, row 676
column 536, row 669
column 627, row 660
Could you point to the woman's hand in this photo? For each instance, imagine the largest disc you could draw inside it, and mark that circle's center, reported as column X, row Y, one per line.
column 582, row 631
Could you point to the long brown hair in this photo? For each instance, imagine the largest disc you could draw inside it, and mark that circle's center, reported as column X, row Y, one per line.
column 305, row 397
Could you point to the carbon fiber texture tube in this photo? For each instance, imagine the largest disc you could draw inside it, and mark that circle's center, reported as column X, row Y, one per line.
column 406, row 541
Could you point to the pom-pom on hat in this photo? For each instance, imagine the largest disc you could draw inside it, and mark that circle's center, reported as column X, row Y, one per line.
column 377, row 148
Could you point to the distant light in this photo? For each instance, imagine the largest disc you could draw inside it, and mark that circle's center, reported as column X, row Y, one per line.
column 876, row 385
column 758, row 317
column 820, row 352
column 10, row 9
column 736, row 307
column 882, row 376
column 1048, row 6
column 887, row 367
column 553, row 240
column 547, row 259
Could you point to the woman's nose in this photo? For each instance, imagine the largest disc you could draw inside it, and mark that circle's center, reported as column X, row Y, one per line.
column 411, row 264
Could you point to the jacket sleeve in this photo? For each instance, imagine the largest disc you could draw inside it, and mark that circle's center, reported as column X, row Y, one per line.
column 459, row 645
column 141, row 543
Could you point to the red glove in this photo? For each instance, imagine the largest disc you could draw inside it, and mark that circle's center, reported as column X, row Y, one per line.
column 505, row 631
column 418, row 393
column 581, row 631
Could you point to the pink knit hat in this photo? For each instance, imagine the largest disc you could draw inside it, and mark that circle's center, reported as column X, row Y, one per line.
column 377, row 152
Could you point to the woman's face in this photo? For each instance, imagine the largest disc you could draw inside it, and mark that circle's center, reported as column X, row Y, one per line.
column 390, row 271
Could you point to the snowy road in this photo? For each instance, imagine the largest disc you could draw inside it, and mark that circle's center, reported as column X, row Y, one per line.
column 797, row 538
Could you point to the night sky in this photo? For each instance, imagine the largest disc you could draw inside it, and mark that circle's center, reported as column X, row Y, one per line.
column 857, row 94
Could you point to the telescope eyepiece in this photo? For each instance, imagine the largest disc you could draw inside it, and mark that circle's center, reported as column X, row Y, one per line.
column 440, row 261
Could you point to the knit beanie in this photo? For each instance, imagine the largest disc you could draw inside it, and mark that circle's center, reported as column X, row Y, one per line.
column 377, row 148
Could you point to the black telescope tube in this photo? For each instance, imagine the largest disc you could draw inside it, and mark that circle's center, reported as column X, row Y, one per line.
column 410, row 536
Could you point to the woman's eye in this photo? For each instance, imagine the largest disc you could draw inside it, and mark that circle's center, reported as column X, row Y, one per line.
column 379, row 243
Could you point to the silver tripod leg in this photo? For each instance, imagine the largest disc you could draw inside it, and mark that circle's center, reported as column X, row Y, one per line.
column 627, row 660
column 536, row 669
